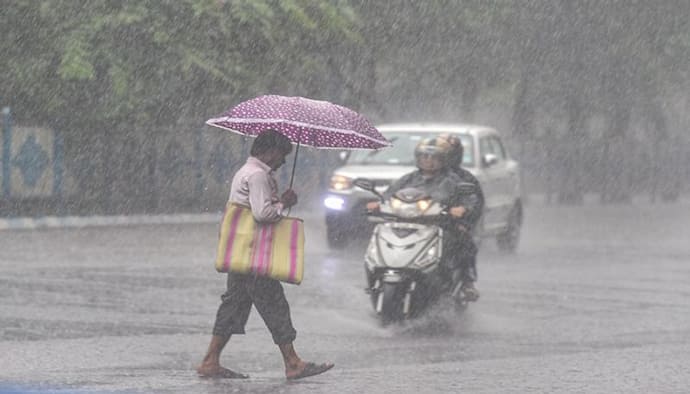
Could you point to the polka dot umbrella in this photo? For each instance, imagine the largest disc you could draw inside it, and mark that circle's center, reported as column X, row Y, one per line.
column 315, row 123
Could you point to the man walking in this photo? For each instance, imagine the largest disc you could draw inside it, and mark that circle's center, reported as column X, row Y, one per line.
column 254, row 186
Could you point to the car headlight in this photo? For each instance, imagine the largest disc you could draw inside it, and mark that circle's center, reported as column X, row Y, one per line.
column 334, row 202
column 340, row 182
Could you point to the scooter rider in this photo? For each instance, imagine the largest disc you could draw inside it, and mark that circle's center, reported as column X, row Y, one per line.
column 468, row 223
column 434, row 176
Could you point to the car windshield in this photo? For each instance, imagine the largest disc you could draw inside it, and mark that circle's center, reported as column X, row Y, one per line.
column 402, row 151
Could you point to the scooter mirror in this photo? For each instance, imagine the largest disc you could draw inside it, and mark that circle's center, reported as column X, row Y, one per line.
column 368, row 185
column 365, row 184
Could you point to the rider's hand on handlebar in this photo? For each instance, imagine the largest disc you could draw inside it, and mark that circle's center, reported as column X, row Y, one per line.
column 373, row 206
column 457, row 211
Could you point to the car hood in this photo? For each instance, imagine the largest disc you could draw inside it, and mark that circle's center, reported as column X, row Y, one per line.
column 374, row 172
column 377, row 172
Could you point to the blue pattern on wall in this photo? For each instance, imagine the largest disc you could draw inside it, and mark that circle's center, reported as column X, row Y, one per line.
column 32, row 161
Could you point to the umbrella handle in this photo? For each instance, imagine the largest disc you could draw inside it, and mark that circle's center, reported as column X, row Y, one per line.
column 294, row 165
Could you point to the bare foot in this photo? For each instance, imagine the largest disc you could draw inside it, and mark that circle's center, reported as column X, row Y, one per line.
column 216, row 371
column 304, row 370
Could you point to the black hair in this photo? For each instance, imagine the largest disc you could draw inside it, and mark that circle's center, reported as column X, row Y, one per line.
column 269, row 139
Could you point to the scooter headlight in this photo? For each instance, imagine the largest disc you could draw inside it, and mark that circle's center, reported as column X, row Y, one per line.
column 423, row 205
column 404, row 209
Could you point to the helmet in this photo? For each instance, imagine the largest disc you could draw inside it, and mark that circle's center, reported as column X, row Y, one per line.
column 431, row 154
column 456, row 150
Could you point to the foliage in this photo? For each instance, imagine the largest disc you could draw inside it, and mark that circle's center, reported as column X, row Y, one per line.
column 107, row 66
column 156, row 61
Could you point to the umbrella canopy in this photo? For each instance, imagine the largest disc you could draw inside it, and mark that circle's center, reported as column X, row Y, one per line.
column 315, row 123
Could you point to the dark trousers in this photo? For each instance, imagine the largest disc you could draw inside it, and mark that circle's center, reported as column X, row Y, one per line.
column 461, row 251
column 269, row 299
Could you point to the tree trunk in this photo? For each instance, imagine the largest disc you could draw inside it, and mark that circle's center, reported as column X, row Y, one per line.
column 470, row 93
column 523, row 115
column 617, row 185
column 571, row 185
column 665, row 164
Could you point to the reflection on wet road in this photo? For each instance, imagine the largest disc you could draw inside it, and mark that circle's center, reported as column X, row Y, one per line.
column 596, row 300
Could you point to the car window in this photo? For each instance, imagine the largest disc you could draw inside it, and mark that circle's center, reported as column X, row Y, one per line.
column 497, row 148
column 485, row 146
column 467, row 150
column 492, row 145
column 402, row 150
column 400, row 153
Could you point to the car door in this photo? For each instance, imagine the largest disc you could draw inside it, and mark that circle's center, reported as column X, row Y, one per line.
column 501, row 175
column 490, row 187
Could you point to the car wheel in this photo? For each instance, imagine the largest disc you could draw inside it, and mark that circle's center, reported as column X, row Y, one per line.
column 337, row 239
column 509, row 238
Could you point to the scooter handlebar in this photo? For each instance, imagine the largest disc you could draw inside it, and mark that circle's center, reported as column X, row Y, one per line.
column 439, row 218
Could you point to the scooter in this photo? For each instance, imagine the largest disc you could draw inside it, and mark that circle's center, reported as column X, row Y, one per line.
column 403, row 260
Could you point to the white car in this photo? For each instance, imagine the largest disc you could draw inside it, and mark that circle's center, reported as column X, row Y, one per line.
column 484, row 156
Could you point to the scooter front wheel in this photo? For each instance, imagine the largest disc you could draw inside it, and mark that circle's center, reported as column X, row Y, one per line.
column 391, row 302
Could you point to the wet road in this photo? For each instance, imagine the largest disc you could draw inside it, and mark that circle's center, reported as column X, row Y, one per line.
column 596, row 301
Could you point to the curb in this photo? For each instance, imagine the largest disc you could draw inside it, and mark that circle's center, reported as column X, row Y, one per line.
column 25, row 223
column 28, row 223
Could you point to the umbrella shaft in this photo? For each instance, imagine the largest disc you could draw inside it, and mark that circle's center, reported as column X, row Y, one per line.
column 294, row 165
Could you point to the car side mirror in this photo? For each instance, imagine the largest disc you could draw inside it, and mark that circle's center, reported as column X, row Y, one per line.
column 489, row 159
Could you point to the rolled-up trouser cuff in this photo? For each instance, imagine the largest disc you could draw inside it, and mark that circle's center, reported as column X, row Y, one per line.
column 225, row 333
column 284, row 338
column 269, row 299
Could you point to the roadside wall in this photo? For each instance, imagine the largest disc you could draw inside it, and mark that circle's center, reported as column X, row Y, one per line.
column 181, row 170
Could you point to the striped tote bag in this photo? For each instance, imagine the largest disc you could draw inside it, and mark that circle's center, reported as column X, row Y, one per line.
column 275, row 249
